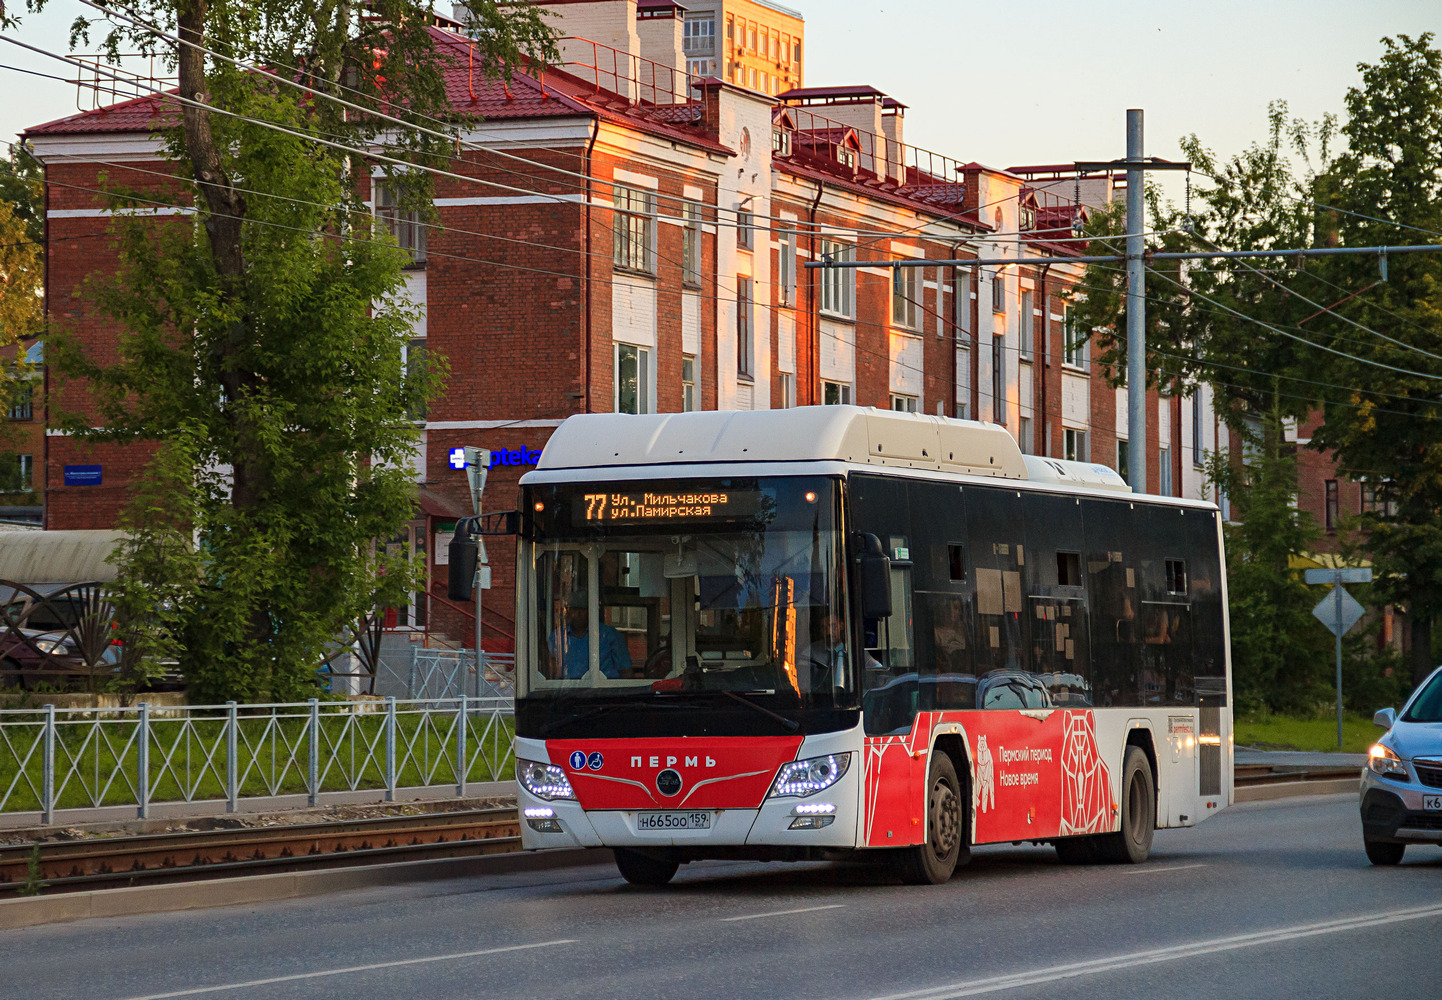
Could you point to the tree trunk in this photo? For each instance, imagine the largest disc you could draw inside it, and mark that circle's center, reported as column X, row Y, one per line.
column 224, row 222
column 1419, row 628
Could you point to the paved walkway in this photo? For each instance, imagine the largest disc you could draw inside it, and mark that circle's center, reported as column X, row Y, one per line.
column 1299, row 758
column 161, row 813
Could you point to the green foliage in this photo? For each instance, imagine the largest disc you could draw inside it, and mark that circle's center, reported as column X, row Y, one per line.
column 34, row 884
column 1279, row 651
column 1316, row 731
column 1392, row 170
column 22, row 186
column 261, row 352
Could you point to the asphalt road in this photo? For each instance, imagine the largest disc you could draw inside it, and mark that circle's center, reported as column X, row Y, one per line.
column 1265, row 900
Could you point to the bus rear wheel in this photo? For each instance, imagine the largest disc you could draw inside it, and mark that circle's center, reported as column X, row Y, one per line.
column 1132, row 844
column 645, row 869
column 933, row 862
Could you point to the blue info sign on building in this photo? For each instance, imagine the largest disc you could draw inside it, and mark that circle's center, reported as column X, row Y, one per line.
column 83, row 475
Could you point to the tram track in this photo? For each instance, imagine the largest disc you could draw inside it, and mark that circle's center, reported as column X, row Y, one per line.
column 178, row 856
column 148, row 859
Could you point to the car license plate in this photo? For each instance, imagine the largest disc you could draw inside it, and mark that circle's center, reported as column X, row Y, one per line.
column 673, row 821
column 1432, row 803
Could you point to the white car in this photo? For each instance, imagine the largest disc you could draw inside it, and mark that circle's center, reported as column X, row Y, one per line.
column 1402, row 783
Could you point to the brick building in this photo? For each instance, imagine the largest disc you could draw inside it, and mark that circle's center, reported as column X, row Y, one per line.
column 634, row 238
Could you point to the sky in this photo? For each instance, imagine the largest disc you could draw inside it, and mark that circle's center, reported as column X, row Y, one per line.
column 1046, row 81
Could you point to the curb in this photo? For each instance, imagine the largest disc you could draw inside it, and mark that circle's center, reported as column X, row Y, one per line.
column 137, row 900
column 1293, row 789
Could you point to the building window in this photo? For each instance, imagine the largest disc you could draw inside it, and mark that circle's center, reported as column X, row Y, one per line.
column 998, row 380
column 846, row 156
column 635, row 229
column 698, row 36
column 745, row 229
column 691, row 244
column 688, row 383
column 1375, row 500
column 408, row 227
column 23, row 408
column 1199, row 445
column 416, row 362
column 1164, row 471
column 835, row 393
column 1331, row 513
column 1074, row 444
column 786, row 267
column 701, row 67
column 906, row 296
column 19, row 478
column 781, row 141
column 745, row 327
column 838, row 284
column 903, row 404
column 1026, row 326
column 1028, row 218
column 1176, row 576
column 1023, row 433
column 788, row 390
column 1124, row 460
column 1074, row 340
column 998, row 293
column 633, row 379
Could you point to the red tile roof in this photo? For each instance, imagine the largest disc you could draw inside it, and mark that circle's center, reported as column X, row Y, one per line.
column 546, row 93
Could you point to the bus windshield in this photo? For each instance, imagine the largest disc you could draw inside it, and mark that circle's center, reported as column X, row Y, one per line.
column 679, row 590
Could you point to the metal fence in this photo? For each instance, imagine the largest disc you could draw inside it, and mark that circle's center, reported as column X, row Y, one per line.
column 446, row 673
column 57, row 759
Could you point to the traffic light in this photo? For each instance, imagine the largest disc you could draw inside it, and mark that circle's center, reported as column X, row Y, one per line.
column 464, row 551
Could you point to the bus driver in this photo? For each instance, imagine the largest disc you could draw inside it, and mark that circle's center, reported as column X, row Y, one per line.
column 574, row 644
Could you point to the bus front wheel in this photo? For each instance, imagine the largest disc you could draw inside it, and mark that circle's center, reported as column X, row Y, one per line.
column 644, row 869
column 933, row 862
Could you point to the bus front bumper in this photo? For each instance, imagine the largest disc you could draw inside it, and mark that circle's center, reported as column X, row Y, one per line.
column 826, row 820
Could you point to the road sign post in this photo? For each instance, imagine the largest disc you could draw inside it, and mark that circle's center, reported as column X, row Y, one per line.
column 478, row 467
column 1339, row 611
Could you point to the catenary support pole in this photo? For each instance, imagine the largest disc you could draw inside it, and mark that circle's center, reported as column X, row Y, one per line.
column 1337, row 597
column 1136, row 307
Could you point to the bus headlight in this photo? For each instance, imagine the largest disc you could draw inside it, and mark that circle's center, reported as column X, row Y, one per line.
column 1386, row 763
column 807, row 777
column 544, row 781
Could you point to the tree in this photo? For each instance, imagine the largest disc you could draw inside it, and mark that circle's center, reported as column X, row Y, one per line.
column 22, row 184
column 271, row 336
column 1279, row 652
column 1389, row 179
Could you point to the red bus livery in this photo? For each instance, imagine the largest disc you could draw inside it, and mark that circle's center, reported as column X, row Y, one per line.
column 816, row 632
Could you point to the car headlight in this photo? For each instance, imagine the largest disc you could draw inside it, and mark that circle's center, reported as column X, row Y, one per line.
column 544, row 781
column 807, row 777
column 1386, row 763
column 50, row 646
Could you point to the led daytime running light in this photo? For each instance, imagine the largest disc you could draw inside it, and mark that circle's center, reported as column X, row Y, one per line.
column 540, row 812
column 544, row 781
column 814, row 809
column 802, row 778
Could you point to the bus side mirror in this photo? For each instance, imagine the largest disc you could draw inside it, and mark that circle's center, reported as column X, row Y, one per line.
column 874, row 579
column 464, row 552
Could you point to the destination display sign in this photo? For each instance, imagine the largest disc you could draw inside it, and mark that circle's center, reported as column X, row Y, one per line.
column 666, row 506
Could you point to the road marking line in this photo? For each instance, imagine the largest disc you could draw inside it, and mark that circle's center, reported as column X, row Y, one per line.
column 783, row 913
column 196, row 991
column 1169, row 868
column 1074, row 970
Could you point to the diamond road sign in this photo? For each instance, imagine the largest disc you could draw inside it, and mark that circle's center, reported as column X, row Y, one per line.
column 1326, row 611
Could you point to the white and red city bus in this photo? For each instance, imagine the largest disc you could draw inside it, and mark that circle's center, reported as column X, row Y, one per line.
column 801, row 634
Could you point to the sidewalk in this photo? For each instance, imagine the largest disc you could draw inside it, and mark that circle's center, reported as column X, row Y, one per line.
column 164, row 813
column 1298, row 758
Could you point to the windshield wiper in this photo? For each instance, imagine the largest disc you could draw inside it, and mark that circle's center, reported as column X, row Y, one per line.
column 590, row 713
column 791, row 725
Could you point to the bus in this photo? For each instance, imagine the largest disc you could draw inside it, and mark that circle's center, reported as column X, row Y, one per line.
column 813, row 633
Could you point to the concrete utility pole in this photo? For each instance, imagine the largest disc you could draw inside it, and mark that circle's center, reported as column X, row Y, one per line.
column 1136, row 307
